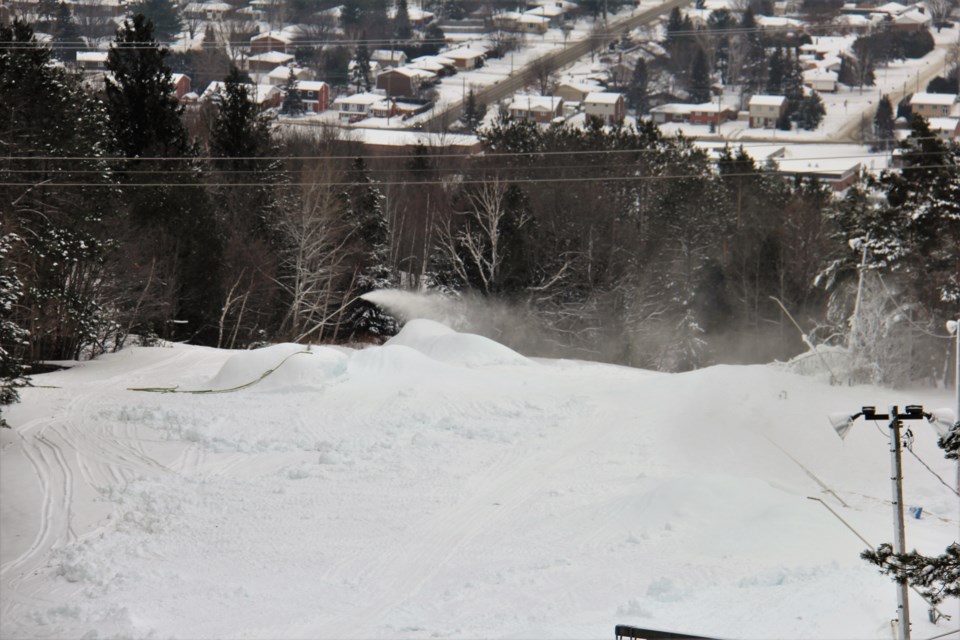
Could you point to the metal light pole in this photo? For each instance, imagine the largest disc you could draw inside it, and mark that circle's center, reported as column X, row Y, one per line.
column 953, row 326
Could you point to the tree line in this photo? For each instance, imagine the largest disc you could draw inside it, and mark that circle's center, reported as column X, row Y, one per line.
column 125, row 216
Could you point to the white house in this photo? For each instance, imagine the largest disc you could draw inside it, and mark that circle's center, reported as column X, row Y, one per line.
column 280, row 75
column 357, row 106
column 536, row 108
column 766, row 111
column 934, row 105
column 605, row 105
column 821, row 80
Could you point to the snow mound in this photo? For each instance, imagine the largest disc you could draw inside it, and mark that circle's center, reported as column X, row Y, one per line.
column 398, row 360
column 439, row 342
column 292, row 365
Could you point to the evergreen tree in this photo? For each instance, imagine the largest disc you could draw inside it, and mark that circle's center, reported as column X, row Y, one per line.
column 65, row 30
column 810, row 113
column 937, row 577
column 775, row 75
column 13, row 337
column 473, row 112
column 401, row 22
column 638, row 93
column 883, row 123
column 792, row 79
column 144, row 112
column 699, row 79
column 55, row 238
column 753, row 74
column 163, row 14
column 178, row 226
column 360, row 74
column 368, row 252
column 292, row 101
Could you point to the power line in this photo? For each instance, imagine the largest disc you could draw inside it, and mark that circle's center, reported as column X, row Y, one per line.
column 448, row 169
column 400, row 182
column 733, row 145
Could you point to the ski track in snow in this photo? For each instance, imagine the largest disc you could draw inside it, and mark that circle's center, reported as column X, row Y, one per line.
column 384, row 493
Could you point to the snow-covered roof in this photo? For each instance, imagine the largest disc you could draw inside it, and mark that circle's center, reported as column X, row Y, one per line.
column 767, row 101
column 603, row 97
column 913, row 17
column 709, row 107
column 427, row 65
column 271, row 57
column 463, row 54
column 774, row 22
column 283, row 72
column 893, row 8
column 311, row 85
column 535, row 103
column 441, row 60
column 527, row 18
column 273, row 35
column 939, row 99
column 176, row 77
column 259, row 93
column 677, row 108
column 411, row 72
column 822, row 75
column 944, row 124
column 91, row 56
column 360, row 99
column 547, row 11
column 388, row 55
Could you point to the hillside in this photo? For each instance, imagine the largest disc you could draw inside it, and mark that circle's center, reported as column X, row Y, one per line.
column 443, row 485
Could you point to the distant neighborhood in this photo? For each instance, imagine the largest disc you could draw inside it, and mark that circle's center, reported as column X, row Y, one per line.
column 710, row 69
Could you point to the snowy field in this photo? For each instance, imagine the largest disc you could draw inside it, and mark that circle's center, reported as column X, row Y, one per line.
column 444, row 486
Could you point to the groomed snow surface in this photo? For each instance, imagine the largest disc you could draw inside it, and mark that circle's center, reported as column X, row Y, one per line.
column 443, row 485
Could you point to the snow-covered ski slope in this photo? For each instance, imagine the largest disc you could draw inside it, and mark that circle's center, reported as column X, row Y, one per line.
column 444, row 486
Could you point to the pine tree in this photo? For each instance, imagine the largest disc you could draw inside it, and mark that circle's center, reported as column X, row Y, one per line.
column 753, row 72
column 64, row 28
column 144, row 112
column 56, row 237
column 360, row 73
column 473, row 112
column 292, row 101
column 883, row 123
column 811, row 111
column 369, row 254
column 637, row 93
column 699, row 79
column 163, row 14
column 239, row 129
column 179, row 230
column 792, row 79
column 775, row 74
column 13, row 337
column 401, row 22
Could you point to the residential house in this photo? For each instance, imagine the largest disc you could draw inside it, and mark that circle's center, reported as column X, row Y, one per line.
column 575, row 91
column 271, row 41
column 536, row 108
column 529, row 23
column 437, row 64
column 553, row 13
column 465, row 59
column 211, row 11
column 281, row 75
column 265, row 96
column 671, row 112
column 388, row 58
column 916, row 19
column 399, row 108
column 821, row 80
column 314, row 94
column 268, row 61
column 181, row 84
column 934, row 105
column 404, row 81
column 947, row 128
column 356, row 107
column 604, row 105
column 92, row 61
column 711, row 113
column 507, row 20
column 766, row 111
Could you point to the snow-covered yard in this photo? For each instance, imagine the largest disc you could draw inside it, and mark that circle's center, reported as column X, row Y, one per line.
column 443, row 485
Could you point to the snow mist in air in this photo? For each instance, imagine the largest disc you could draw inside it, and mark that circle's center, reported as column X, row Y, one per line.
column 516, row 327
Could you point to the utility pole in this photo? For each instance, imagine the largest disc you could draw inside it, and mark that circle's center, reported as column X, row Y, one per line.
column 842, row 423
